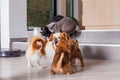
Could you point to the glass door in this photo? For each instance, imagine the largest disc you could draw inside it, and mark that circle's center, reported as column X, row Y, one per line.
column 39, row 12
column 69, row 8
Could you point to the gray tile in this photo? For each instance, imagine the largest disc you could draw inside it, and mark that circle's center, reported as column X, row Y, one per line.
column 15, row 68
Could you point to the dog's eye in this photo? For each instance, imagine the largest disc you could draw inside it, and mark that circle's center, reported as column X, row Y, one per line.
column 60, row 38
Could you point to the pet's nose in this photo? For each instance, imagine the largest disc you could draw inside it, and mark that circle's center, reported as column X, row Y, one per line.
column 55, row 40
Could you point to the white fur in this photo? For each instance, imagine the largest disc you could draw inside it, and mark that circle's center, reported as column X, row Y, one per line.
column 32, row 58
column 57, row 34
column 50, row 26
column 50, row 51
column 50, row 48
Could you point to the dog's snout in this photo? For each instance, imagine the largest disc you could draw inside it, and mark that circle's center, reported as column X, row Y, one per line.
column 55, row 40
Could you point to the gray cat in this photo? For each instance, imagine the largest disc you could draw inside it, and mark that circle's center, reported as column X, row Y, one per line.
column 64, row 25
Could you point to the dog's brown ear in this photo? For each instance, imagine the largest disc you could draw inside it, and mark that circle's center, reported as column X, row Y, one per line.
column 65, row 36
column 51, row 37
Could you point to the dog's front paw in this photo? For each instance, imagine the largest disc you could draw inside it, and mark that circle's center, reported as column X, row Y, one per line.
column 53, row 73
column 71, row 72
column 30, row 66
column 42, row 67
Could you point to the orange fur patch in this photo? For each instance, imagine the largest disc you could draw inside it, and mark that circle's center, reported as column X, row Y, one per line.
column 65, row 36
column 35, row 46
column 63, row 46
column 51, row 37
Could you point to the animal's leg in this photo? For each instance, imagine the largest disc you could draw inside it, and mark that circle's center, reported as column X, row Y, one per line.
column 38, row 62
column 73, row 62
column 82, row 61
column 79, row 55
column 40, row 66
column 53, row 72
column 68, row 69
column 30, row 64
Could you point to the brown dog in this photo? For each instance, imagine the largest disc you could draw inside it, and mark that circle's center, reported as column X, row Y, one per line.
column 61, row 60
column 67, row 50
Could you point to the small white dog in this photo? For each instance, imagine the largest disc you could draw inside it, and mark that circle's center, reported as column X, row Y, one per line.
column 37, row 48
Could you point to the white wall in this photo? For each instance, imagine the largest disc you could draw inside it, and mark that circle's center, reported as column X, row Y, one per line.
column 13, row 20
column 0, row 34
column 0, row 25
column 5, row 39
column 18, row 15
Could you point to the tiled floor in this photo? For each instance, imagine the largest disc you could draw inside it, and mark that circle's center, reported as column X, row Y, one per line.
column 16, row 69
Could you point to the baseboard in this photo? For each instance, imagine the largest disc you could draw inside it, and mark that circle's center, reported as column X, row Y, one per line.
column 101, row 51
